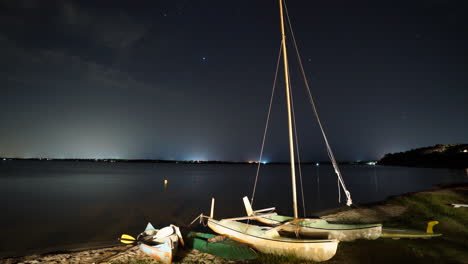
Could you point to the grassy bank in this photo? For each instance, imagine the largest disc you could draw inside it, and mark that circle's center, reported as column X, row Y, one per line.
column 411, row 211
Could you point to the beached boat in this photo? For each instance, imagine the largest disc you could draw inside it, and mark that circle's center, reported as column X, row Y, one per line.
column 325, row 236
column 307, row 226
column 160, row 244
column 268, row 240
column 314, row 227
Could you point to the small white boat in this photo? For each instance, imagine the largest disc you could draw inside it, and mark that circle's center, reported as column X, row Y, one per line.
column 160, row 244
column 268, row 240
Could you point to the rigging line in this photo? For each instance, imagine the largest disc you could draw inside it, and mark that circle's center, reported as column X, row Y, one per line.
column 339, row 191
column 329, row 151
column 297, row 148
column 266, row 125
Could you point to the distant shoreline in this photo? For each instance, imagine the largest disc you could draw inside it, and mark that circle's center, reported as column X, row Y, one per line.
column 317, row 163
column 454, row 156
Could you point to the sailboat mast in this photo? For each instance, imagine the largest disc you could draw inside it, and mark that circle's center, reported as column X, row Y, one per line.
column 288, row 100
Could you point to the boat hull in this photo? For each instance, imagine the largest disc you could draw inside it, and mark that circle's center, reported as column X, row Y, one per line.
column 162, row 253
column 162, row 249
column 271, row 243
column 321, row 228
column 227, row 249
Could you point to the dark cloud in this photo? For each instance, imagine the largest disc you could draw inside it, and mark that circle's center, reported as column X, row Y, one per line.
column 116, row 31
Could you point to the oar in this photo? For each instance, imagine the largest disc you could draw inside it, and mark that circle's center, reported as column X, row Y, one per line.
column 127, row 239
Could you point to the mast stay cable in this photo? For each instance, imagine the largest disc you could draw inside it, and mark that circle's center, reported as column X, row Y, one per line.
column 349, row 201
column 259, row 162
column 297, row 150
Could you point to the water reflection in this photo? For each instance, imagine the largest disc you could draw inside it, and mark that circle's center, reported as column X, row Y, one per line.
column 376, row 184
column 317, row 171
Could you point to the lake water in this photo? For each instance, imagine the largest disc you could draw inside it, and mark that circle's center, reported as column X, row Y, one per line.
column 47, row 205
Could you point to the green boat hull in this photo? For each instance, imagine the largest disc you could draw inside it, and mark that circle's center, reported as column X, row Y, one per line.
column 227, row 249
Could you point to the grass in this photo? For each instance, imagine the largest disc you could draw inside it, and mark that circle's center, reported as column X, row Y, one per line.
column 451, row 247
column 453, row 223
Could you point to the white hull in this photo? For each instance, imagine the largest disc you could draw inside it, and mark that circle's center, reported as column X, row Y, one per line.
column 272, row 243
column 162, row 248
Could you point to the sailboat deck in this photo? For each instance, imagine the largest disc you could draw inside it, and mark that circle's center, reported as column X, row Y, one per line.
column 265, row 233
column 319, row 223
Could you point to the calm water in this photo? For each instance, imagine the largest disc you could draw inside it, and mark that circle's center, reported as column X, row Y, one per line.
column 61, row 205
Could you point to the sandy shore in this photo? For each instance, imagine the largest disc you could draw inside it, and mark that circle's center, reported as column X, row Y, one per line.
column 411, row 210
column 118, row 254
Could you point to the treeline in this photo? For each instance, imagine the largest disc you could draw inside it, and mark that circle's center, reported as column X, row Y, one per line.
column 438, row 156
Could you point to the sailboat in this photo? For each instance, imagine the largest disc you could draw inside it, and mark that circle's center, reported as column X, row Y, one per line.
column 307, row 226
column 269, row 239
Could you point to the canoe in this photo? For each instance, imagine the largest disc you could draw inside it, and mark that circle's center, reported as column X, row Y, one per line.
column 160, row 244
column 227, row 248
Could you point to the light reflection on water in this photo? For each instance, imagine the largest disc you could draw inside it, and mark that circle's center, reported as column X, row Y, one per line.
column 56, row 205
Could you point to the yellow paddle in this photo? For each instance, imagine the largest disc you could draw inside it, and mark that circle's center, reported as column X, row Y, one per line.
column 127, row 239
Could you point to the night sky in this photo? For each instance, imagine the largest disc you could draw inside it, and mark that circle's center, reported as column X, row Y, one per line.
column 192, row 79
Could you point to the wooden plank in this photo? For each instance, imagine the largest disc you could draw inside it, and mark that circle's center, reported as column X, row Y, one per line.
column 248, row 217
